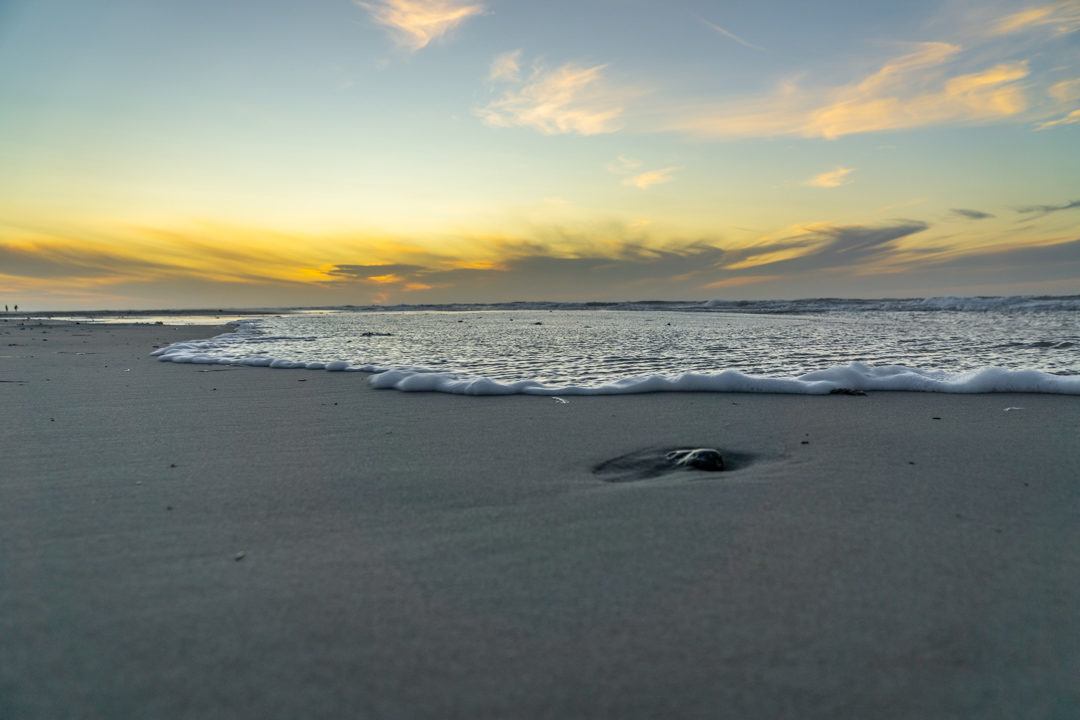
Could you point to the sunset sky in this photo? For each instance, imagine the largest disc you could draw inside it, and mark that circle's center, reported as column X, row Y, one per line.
column 325, row 152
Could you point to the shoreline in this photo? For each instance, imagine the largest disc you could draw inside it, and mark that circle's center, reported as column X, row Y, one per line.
column 223, row 541
column 208, row 313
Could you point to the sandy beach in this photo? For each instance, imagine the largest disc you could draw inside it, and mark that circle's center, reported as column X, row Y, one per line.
column 193, row 541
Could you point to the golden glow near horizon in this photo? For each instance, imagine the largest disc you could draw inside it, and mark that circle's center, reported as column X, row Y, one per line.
column 456, row 151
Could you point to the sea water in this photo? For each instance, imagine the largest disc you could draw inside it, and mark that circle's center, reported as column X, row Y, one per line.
column 1020, row 344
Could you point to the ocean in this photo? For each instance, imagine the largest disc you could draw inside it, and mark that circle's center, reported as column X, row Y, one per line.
column 815, row 346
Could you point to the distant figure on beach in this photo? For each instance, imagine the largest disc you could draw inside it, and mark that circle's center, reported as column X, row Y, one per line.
column 5, row 308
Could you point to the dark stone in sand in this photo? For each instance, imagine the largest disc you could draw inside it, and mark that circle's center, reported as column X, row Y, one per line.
column 846, row 391
column 656, row 462
column 698, row 458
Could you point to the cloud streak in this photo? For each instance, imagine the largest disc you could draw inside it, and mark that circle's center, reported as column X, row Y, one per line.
column 414, row 24
column 731, row 35
column 1041, row 210
column 534, row 272
column 650, row 177
column 809, row 260
column 569, row 99
column 910, row 91
column 506, row 67
column 831, row 178
column 609, row 262
column 1070, row 119
column 1062, row 17
column 386, row 274
column 971, row 214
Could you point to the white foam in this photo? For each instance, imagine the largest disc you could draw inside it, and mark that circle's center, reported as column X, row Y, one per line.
column 251, row 342
column 952, row 303
column 208, row 352
column 855, row 376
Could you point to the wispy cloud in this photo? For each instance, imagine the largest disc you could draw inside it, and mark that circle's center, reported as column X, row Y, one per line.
column 1061, row 17
column 831, row 178
column 534, row 270
column 506, row 67
column 971, row 214
column 416, row 23
column 569, row 99
column 632, row 176
column 387, row 274
column 825, row 247
column 1066, row 91
column 1070, row 119
column 729, row 34
column 650, row 178
column 126, row 266
column 910, row 91
column 1040, row 210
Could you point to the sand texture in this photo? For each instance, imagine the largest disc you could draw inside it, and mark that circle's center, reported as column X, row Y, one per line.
column 191, row 541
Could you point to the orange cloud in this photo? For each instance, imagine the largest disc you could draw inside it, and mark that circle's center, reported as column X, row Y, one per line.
column 1066, row 91
column 475, row 265
column 884, row 103
column 116, row 253
column 1070, row 119
column 568, row 99
column 910, row 91
column 831, row 178
column 121, row 265
column 416, row 23
column 651, row 177
column 1063, row 17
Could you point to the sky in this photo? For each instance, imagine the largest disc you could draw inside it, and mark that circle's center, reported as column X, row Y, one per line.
column 328, row 152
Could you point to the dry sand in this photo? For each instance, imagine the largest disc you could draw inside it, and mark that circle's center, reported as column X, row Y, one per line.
column 182, row 541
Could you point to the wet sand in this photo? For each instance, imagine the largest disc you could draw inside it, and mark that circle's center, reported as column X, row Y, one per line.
column 234, row 542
